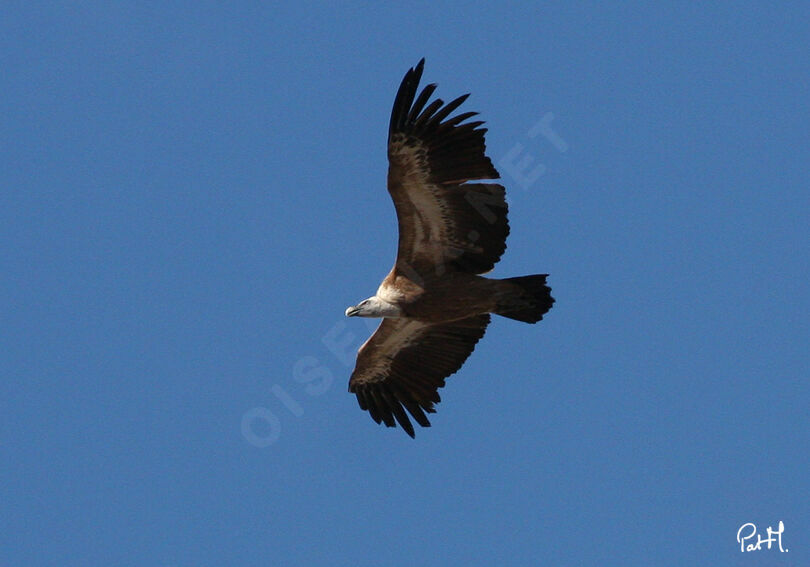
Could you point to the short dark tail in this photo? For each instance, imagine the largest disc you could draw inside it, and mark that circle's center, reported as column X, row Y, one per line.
column 526, row 298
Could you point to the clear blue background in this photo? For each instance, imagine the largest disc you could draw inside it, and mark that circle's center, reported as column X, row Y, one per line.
column 191, row 194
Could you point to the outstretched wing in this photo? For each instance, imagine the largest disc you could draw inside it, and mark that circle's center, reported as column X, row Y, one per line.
column 444, row 221
column 403, row 364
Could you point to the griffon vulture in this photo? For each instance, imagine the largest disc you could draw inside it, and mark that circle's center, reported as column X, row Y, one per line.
column 434, row 303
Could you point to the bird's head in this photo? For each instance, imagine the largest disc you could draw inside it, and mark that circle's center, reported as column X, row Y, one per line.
column 373, row 307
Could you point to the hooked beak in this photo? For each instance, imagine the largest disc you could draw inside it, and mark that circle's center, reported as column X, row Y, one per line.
column 352, row 311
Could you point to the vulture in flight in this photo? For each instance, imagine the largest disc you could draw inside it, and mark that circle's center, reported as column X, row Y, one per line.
column 434, row 304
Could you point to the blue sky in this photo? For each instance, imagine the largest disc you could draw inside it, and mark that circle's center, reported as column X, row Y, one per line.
column 193, row 193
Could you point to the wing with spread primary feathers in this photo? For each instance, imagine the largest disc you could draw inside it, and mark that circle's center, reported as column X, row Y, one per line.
column 445, row 222
column 404, row 363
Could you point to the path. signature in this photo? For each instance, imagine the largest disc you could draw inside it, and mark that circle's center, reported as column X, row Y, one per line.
column 749, row 530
